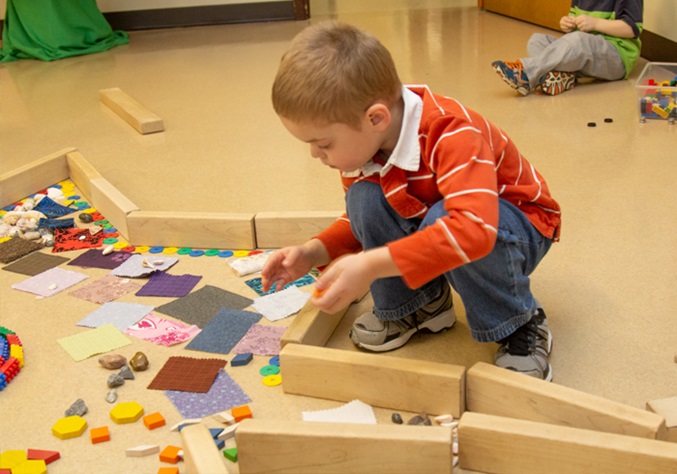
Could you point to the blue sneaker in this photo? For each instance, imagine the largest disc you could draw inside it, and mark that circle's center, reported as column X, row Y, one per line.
column 513, row 75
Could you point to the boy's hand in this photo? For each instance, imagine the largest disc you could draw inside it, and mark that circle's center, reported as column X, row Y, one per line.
column 586, row 23
column 567, row 24
column 342, row 283
column 284, row 266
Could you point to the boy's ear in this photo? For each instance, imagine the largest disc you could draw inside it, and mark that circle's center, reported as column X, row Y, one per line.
column 378, row 115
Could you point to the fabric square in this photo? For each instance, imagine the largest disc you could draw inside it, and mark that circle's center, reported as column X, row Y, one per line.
column 15, row 248
column 187, row 374
column 261, row 340
column 94, row 341
column 56, row 223
column 256, row 285
column 120, row 315
column 224, row 394
column 94, row 258
column 50, row 282
column 35, row 263
column 52, row 208
column 75, row 238
column 163, row 284
column 162, row 331
column 138, row 265
column 202, row 305
column 224, row 331
column 105, row 289
column 282, row 304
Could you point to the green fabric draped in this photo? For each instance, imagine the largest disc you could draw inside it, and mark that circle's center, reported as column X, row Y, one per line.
column 55, row 29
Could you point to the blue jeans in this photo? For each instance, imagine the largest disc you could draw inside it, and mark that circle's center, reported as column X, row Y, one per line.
column 495, row 289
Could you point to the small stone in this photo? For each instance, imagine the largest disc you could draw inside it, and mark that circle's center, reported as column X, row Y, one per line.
column 77, row 408
column 139, row 362
column 108, row 250
column 112, row 395
column 422, row 420
column 126, row 373
column 86, row 218
column 112, row 361
column 397, row 418
column 115, row 380
column 446, row 418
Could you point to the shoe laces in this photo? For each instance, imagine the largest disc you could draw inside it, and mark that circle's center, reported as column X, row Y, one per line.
column 522, row 342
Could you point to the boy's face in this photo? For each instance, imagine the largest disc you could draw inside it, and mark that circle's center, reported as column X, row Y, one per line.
column 337, row 145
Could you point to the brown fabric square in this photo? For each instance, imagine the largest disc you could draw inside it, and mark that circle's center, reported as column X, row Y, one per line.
column 187, row 374
column 35, row 264
column 15, row 248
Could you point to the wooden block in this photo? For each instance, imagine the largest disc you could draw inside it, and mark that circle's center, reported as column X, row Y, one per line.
column 170, row 454
column 32, row 177
column 112, row 204
column 502, row 445
column 99, row 435
column 377, row 379
column 200, row 454
column 154, row 420
column 497, row 391
column 81, row 173
column 131, row 111
column 667, row 408
column 192, row 229
column 299, row 447
column 143, row 450
column 311, row 326
column 281, row 229
column 241, row 412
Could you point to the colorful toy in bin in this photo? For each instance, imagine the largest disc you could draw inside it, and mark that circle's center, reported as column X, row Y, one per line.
column 657, row 92
column 11, row 356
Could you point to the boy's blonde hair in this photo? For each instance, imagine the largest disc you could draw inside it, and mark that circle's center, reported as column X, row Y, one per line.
column 332, row 73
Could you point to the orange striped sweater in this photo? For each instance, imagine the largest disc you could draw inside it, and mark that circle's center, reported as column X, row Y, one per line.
column 468, row 162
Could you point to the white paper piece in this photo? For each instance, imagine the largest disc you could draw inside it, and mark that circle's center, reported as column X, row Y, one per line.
column 353, row 412
column 251, row 264
column 279, row 305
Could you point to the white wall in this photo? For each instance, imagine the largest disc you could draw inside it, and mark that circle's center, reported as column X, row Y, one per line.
column 660, row 17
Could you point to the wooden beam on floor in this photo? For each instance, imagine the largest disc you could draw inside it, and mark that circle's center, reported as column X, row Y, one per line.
column 281, row 229
column 112, row 204
column 311, row 326
column 667, row 408
column 377, row 379
column 81, row 172
column 299, row 447
column 200, row 454
column 496, row 391
column 131, row 111
column 489, row 443
column 32, row 177
column 200, row 230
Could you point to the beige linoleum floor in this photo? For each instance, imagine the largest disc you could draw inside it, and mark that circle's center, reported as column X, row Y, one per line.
column 608, row 287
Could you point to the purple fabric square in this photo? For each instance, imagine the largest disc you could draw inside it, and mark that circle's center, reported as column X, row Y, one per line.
column 163, row 284
column 94, row 258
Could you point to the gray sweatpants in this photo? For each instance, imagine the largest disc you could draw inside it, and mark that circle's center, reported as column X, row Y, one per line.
column 585, row 53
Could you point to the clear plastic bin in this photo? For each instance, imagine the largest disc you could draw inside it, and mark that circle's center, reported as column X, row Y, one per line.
column 657, row 92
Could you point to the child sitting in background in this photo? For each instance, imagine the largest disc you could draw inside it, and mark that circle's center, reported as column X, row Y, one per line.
column 601, row 41
column 435, row 195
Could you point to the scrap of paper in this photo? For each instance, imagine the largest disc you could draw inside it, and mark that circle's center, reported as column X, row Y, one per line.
column 105, row 289
column 261, row 340
column 224, row 394
column 162, row 331
column 353, row 412
column 282, row 304
column 120, row 315
column 50, row 282
column 94, row 341
column 141, row 265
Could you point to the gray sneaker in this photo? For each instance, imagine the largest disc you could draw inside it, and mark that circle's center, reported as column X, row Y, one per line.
column 527, row 349
column 370, row 333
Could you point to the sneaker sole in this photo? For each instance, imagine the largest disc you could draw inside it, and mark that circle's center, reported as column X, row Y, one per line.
column 567, row 82
column 522, row 90
column 438, row 324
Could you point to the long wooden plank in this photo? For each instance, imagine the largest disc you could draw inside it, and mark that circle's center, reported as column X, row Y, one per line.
column 500, row 445
column 110, row 202
column 32, row 177
column 298, row 447
column 281, row 229
column 131, row 111
column 200, row 454
column 81, row 173
column 376, row 379
column 311, row 326
column 202, row 230
column 497, row 391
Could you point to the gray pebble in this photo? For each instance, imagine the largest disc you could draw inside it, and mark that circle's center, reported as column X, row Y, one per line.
column 126, row 373
column 86, row 218
column 77, row 408
column 397, row 418
column 115, row 380
column 112, row 395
